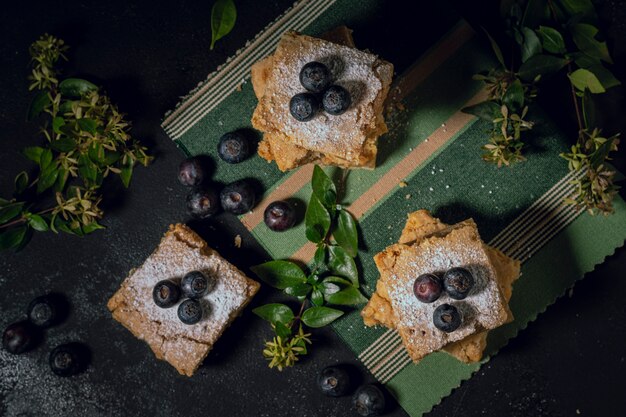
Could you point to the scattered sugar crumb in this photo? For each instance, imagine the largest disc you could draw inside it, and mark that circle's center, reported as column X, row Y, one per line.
column 402, row 184
column 447, row 186
column 431, row 189
column 577, row 411
column 443, row 125
column 407, row 196
column 219, row 122
column 490, row 192
column 238, row 241
column 239, row 88
column 389, row 227
column 482, row 186
column 440, row 169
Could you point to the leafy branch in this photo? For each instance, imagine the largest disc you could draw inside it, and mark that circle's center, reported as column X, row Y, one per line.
column 86, row 139
column 332, row 278
column 549, row 36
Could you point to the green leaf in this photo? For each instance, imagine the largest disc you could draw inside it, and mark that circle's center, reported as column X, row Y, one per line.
column 533, row 14
column 552, row 40
column 280, row 274
column 76, row 87
column 496, row 49
column 33, row 153
column 585, row 61
column 88, row 125
column 87, row 169
column 126, row 174
column 540, row 65
column 92, row 227
column 13, row 237
column 61, row 179
column 341, row 263
column 47, row 178
column 579, row 7
column 319, row 259
column 324, row 188
column 337, row 280
column 606, row 77
column 584, row 36
column 329, row 288
column 223, row 17
column 57, row 123
column 39, row 103
column 487, row 110
column 514, row 96
column 282, row 330
column 320, row 316
column 63, row 144
column 21, row 182
column 584, row 79
column 298, row 290
column 38, row 223
column 275, row 313
column 347, row 297
column 317, row 297
column 531, row 45
column 346, row 234
column 66, row 106
column 96, row 153
column 317, row 220
column 10, row 211
column 45, row 158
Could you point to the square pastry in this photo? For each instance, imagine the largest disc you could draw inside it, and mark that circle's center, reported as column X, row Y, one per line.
column 345, row 140
column 434, row 247
column 184, row 346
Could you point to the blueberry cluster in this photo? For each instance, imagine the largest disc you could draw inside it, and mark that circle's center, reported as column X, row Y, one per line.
column 193, row 286
column 42, row 313
column 368, row 400
column 316, row 78
column 457, row 283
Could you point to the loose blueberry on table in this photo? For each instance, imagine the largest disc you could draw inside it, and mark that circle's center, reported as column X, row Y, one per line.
column 336, row 100
column 315, row 77
column 190, row 311
column 20, row 337
column 427, row 288
column 44, row 311
column 203, row 202
column 279, row 216
column 191, row 172
column 447, row 318
column 166, row 293
column 334, row 381
column 304, row 106
column 238, row 197
column 233, row 147
column 66, row 360
column 369, row 401
column 458, row 282
column 195, row 285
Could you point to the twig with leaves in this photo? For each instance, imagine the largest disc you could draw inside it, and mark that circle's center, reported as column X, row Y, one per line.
column 86, row 140
column 332, row 278
column 552, row 35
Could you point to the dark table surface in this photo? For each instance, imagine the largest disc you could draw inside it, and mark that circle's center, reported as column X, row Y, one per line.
column 146, row 54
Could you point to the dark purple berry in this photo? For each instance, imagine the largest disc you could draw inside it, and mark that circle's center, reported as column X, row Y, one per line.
column 166, row 293
column 190, row 311
column 67, row 359
column 458, row 282
column 279, row 216
column 447, row 318
column 20, row 337
column 334, row 381
column 195, row 284
column 202, row 202
column 369, row 400
column 427, row 288
column 303, row 106
column 45, row 311
column 233, row 147
column 315, row 77
column 336, row 100
column 191, row 172
column 238, row 197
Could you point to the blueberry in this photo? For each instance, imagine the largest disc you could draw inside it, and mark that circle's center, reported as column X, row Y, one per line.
column 233, row 147
column 427, row 288
column 315, row 77
column 336, row 100
column 334, row 381
column 67, row 359
column 190, row 311
column 238, row 197
column 202, row 202
column 190, row 172
column 303, row 106
column 195, row 284
column 279, row 216
column 45, row 311
column 166, row 293
column 20, row 337
column 369, row 400
column 447, row 318
column 458, row 282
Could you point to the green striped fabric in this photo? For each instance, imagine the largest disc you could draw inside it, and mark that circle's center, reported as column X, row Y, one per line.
column 435, row 149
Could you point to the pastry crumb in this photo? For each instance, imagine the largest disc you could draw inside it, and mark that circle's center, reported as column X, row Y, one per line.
column 238, row 241
column 402, row 184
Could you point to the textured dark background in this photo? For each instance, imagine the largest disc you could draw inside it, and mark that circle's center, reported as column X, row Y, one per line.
column 147, row 54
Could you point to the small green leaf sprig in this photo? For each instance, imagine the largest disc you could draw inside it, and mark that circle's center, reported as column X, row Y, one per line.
column 552, row 35
column 86, row 140
column 332, row 278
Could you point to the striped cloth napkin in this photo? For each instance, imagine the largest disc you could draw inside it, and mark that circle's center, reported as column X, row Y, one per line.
column 434, row 149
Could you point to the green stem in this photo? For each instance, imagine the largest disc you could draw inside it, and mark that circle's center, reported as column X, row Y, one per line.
column 23, row 219
column 576, row 107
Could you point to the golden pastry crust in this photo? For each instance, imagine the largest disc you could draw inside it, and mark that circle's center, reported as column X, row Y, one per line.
column 181, row 250
column 419, row 226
